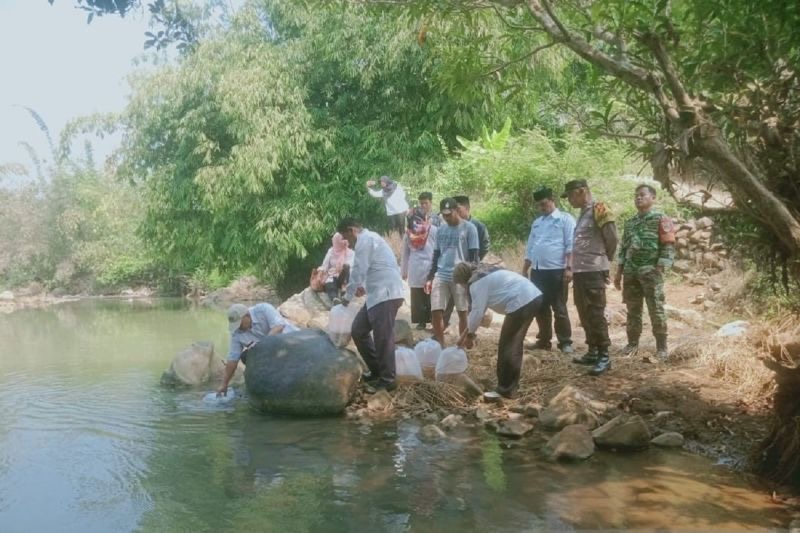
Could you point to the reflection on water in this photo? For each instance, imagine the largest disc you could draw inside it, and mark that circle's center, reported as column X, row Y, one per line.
column 90, row 442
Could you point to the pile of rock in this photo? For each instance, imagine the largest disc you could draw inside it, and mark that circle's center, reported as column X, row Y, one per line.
column 245, row 289
column 696, row 248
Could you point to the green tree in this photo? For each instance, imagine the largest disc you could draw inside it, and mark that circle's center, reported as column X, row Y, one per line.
column 686, row 82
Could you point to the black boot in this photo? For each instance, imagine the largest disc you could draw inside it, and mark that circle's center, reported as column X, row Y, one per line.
column 661, row 347
column 589, row 358
column 603, row 364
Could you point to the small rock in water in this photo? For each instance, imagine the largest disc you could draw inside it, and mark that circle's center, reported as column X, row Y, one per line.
column 379, row 401
column 572, row 442
column 513, row 428
column 431, row 433
column 451, row 421
column 670, row 439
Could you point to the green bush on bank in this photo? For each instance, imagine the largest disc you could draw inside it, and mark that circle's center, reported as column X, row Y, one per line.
column 502, row 170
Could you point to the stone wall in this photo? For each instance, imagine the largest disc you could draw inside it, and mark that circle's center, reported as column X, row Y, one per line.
column 698, row 248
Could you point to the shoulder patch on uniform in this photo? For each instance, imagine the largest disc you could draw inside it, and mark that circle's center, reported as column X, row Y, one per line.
column 602, row 214
column 666, row 230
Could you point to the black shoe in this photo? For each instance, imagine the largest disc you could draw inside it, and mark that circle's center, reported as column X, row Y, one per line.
column 589, row 358
column 540, row 345
column 421, row 326
column 603, row 365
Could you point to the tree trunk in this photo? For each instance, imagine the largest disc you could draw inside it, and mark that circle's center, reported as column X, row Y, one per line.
column 747, row 188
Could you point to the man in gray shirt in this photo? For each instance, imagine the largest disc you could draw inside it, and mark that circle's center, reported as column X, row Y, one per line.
column 375, row 273
column 456, row 242
column 593, row 248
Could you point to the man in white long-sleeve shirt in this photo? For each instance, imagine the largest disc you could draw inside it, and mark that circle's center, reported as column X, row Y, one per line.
column 394, row 199
column 507, row 293
column 376, row 274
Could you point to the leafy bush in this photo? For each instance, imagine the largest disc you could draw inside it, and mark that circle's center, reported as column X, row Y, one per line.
column 502, row 171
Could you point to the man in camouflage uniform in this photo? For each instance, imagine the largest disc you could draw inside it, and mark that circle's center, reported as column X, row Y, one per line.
column 647, row 250
column 593, row 248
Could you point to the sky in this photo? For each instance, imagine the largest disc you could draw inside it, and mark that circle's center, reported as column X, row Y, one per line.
column 56, row 64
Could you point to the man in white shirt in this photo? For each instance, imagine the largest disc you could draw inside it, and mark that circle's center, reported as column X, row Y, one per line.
column 394, row 198
column 509, row 294
column 376, row 274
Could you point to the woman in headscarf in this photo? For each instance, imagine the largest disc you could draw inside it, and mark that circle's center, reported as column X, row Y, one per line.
column 507, row 293
column 394, row 198
column 337, row 264
column 416, row 263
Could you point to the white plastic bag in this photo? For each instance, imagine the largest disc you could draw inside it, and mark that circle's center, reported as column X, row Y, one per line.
column 212, row 399
column 453, row 360
column 428, row 352
column 733, row 329
column 340, row 322
column 407, row 365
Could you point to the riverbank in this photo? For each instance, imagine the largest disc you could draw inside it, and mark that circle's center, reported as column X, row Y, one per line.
column 713, row 390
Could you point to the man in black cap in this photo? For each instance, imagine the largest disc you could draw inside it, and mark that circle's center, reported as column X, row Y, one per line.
column 548, row 255
column 593, row 248
column 456, row 242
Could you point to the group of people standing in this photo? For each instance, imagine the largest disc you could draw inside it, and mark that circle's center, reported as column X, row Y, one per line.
column 441, row 261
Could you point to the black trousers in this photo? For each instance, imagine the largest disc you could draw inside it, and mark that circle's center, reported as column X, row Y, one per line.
column 554, row 305
column 334, row 288
column 397, row 223
column 420, row 306
column 509, row 348
column 590, row 298
column 377, row 322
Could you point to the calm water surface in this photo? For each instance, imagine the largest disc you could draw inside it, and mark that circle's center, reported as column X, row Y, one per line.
column 90, row 442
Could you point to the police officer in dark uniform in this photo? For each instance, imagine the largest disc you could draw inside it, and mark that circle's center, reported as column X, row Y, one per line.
column 593, row 249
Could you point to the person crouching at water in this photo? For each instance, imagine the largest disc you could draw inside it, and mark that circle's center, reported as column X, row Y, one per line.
column 247, row 327
column 507, row 293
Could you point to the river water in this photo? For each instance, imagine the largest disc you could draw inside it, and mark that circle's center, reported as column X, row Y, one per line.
column 90, row 442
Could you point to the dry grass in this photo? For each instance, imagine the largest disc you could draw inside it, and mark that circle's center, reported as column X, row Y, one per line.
column 733, row 360
column 427, row 396
column 734, row 292
column 395, row 242
column 513, row 257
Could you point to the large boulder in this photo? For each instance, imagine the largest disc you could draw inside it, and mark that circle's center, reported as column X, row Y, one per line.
column 623, row 432
column 301, row 373
column 195, row 366
column 571, row 443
